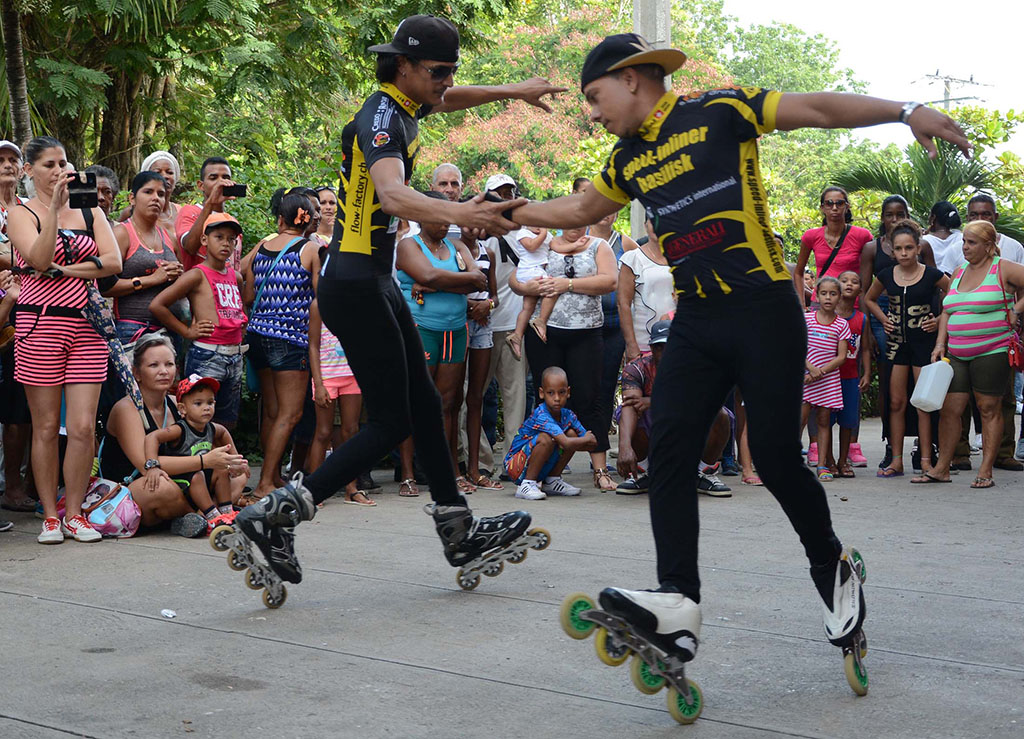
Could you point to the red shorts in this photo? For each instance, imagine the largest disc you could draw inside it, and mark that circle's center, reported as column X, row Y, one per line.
column 338, row 386
column 58, row 350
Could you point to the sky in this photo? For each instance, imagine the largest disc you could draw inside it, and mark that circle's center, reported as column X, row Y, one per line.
column 892, row 44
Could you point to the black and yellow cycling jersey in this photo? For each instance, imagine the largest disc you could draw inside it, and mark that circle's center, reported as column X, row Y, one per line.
column 693, row 165
column 363, row 244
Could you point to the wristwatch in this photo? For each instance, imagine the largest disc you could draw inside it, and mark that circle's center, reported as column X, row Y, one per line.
column 136, row 283
column 150, row 464
column 908, row 108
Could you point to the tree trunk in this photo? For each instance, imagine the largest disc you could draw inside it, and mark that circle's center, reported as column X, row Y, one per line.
column 120, row 137
column 15, row 62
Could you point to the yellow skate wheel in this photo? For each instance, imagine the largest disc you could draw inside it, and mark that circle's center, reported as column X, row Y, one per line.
column 235, row 562
column 572, row 624
column 545, row 538
column 466, row 582
column 495, row 569
column 643, row 678
column 517, row 558
column 271, row 602
column 681, row 712
column 608, row 650
column 251, row 581
column 856, row 674
column 216, row 537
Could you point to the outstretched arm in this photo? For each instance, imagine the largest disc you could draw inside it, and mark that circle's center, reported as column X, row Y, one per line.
column 570, row 211
column 846, row 110
column 469, row 96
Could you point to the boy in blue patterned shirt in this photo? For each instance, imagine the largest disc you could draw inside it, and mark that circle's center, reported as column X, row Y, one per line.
column 546, row 442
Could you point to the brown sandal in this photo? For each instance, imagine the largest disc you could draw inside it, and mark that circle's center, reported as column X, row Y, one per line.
column 465, row 486
column 483, row 482
column 603, row 481
column 248, row 499
column 408, row 489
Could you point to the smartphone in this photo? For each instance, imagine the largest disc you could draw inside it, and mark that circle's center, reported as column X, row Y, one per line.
column 234, row 191
column 82, row 191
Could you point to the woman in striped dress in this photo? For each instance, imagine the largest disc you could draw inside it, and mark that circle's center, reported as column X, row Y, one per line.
column 984, row 304
column 57, row 351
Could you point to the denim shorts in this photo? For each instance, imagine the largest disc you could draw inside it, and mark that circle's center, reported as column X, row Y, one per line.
column 276, row 354
column 225, row 369
column 479, row 337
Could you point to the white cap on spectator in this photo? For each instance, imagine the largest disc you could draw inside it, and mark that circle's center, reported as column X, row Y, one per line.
column 5, row 144
column 498, row 180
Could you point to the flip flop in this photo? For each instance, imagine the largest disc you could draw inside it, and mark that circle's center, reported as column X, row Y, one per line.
column 753, row 480
column 515, row 347
column 927, row 479
column 366, row 502
column 889, row 472
column 26, row 506
column 983, row 483
column 483, row 482
column 408, row 489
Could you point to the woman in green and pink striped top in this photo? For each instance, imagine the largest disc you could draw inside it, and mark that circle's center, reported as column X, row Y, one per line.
column 984, row 303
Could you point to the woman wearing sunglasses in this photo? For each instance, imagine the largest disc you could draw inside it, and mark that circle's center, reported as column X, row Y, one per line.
column 580, row 270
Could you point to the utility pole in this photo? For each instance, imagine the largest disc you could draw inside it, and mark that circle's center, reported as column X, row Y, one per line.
column 652, row 19
column 947, row 85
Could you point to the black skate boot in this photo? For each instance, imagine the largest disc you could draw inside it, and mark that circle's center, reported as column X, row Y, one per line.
column 270, row 525
column 466, row 537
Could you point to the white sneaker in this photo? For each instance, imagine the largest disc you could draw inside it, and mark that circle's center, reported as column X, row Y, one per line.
column 529, row 491
column 51, row 532
column 80, row 528
column 558, row 486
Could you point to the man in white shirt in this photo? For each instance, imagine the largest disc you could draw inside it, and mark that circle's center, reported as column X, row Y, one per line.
column 982, row 207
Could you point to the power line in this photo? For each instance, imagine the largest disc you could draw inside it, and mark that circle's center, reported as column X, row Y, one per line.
column 948, row 83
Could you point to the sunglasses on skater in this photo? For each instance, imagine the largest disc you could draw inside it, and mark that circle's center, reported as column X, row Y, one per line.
column 440, row 72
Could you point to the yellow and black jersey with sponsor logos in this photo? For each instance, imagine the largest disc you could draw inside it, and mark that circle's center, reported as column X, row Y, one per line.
column 694, row 167
column 363, row 244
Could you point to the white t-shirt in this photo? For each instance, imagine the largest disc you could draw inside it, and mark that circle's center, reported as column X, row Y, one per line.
column 940, row 247
column 529, row 259
column 1008, row 249
column 503, row 318
column 653, row 294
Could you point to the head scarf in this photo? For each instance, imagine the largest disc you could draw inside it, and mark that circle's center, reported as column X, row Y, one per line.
column 155, row 157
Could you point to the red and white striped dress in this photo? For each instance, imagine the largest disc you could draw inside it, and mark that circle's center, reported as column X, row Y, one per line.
column 54, row 344
column 822, row 347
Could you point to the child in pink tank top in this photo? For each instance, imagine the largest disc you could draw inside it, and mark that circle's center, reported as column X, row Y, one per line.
column 213, row 290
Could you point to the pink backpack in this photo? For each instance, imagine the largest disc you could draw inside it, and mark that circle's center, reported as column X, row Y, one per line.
column 110, row 508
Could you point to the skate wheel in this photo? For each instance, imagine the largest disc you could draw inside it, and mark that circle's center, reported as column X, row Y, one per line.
column 858, row 565
column 856, row 674
column 216, row 537
column 681, row 712
column 467, row 582
column 495, row 569
column 610, row 651
column 572, row 623
column 863, row 644
column 518, row 557
column 271, row 602
column 253, row 581
column 235, row 562
column 644, row 678
column 543, row 537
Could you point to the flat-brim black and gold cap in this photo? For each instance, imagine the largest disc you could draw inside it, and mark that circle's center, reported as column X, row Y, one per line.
column 627, row 50
column 424, row 37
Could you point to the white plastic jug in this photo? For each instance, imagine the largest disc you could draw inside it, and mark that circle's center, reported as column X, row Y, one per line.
column 932, row 385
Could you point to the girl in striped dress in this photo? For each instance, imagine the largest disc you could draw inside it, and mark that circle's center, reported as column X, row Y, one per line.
column 984, row 305
column 57, row 352
column 828, row 336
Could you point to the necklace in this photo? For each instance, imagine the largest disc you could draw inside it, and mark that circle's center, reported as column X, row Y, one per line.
column 160, row 242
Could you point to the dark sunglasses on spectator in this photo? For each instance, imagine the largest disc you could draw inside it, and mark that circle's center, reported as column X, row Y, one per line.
column 834, row 203
column 570, row 266
column 441, row 71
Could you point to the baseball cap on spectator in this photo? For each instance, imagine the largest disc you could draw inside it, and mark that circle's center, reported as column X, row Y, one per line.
column 424, row 37
column 193, row 381
column 659, row 332
column 5, row 144
column 627, row 50
column 498, row 180
column 221, row 219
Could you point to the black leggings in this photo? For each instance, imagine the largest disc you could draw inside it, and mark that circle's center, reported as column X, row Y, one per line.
column 580, row 352
column 757, row 342
column 384, row 350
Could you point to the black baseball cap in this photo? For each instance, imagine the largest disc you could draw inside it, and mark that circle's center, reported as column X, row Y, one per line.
column 424, row 37
column 627, row 50
column 659, row 332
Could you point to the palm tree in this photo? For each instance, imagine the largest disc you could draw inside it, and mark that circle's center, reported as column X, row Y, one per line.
column 924, row 182
column 15, row 64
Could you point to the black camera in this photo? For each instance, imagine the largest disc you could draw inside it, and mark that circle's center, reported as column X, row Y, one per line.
column 82, row 193
column 234, row 191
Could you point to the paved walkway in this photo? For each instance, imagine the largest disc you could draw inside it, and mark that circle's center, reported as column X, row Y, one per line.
column 380, row 642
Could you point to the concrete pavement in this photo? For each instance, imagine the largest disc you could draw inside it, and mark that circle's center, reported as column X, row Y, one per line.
column 379, row 641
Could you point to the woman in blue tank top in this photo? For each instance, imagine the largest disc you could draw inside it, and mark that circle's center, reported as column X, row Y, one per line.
column 435, row 274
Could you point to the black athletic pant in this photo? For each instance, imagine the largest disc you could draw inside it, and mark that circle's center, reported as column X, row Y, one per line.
column 580, row 352
column 611, row 371
column 757, row 342
column 384, row 350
